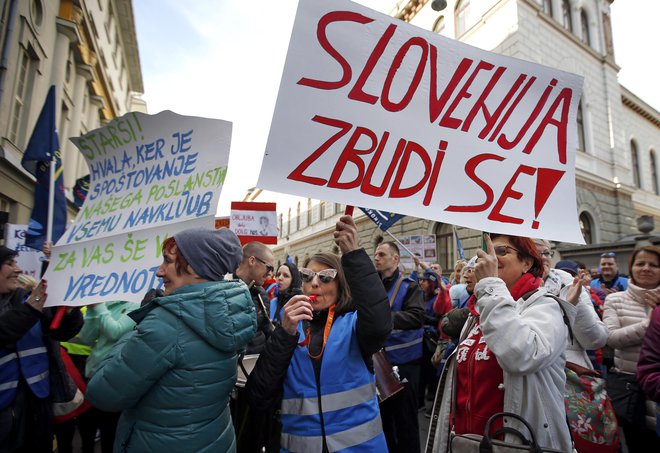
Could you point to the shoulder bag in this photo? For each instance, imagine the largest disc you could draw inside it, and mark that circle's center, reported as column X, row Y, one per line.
column 474, row 443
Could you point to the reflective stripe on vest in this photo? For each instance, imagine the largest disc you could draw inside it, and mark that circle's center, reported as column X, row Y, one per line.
column 350, row 413
column 403, row 346
column 358, row 435
column 330, row 402
column 30, row 361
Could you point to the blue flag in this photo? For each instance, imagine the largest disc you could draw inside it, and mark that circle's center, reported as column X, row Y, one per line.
column 41, row 149
column 461, row 254
column 384, row 220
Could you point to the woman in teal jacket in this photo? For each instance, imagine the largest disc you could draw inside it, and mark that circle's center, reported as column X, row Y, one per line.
column 173, row 374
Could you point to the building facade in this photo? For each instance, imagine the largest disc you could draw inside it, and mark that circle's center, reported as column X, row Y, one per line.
column 618, row 134
column 88, row 50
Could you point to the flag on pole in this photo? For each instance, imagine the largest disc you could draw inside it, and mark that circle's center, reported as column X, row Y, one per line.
column 383, row 220
column 42, row 150
column 458, row 243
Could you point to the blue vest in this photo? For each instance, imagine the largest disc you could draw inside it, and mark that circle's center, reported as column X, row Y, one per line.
column 30, row 361
column 273, row 310
column 348, row 411
column 403, row 346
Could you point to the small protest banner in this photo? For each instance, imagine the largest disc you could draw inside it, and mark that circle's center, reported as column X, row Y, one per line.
column 150, row 177
column 373, row 111
column 28, row 259
column 421, row 246
column 254, row 221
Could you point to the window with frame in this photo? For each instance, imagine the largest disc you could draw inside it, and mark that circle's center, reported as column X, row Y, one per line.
column 582, row 142
column 24, row 81
column 654, row 172
column 586, row 227
column 461, row 16
column 444, row 245
column 584, row 24
column 634, row 162
column 547, row 7
column 566, row 15
column 439, row 25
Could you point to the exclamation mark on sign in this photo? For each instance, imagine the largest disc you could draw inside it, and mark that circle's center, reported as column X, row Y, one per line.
column 545, row 183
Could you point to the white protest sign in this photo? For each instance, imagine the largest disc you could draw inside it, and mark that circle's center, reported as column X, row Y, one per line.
column 375, row 112
column 28, row 259
column 151, row 176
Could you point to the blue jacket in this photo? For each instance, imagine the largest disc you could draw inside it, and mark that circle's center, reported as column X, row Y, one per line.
column 350, row 416
column 173, row 374
column 403, row 346
column 621, row 283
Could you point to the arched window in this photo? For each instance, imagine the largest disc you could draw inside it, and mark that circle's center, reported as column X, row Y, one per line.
column 444, row 245
column 566, row 15
column 439, row 25
column 586, row 228
column 582, row 143
column 461, row 14
column 584, row 25
column 634, row 162
column 547, row 7
column 654, row 172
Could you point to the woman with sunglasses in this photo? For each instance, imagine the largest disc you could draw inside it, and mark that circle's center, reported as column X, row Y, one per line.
column 510, row 356
column 323, row 379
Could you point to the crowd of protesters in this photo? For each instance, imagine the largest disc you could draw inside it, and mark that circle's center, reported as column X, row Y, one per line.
column 343, row 353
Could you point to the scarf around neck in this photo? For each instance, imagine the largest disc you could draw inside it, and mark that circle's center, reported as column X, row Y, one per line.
column 526, row 283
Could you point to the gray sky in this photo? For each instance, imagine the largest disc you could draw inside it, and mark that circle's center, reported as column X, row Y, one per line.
column 224, row 58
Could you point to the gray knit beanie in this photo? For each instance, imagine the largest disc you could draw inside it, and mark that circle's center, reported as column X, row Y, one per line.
column 211, row 253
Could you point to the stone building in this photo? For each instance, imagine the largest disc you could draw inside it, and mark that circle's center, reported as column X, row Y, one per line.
column 618, row 134
column 88, row 50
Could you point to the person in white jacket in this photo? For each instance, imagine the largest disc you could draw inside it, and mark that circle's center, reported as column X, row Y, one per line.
column 589, row 332
column 515, row 322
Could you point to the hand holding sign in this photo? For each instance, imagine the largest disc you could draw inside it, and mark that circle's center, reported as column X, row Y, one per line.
column 345, row 235
column 486, row 261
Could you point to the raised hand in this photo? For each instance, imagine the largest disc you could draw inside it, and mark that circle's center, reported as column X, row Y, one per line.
column 486, row 261
column 346, row 236
column 297, row 309
column 38, row 296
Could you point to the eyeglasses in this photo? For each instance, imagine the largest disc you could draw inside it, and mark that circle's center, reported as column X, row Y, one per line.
column 608, row 255
column 547, row 253
column 325, row 276
column 269, row 267
column 503, row 250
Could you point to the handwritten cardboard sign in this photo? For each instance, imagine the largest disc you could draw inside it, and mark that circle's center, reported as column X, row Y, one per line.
column 375, row 112
column 151, row 176
column 254, row 221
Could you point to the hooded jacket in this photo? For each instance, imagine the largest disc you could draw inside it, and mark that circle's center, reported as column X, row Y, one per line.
column 173, row 374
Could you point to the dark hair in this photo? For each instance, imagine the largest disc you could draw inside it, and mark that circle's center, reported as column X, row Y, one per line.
column 653, row 249
column 393, row 247
column 180, row 262
column 344, row 303
column 433, row 285
column 296, row 281
column 581, row 265
column 526, row 249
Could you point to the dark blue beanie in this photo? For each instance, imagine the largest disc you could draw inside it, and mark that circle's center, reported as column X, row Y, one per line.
column 211, row 253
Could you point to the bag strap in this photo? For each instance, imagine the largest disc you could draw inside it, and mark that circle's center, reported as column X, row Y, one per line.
column 486, row 444
column 559, row 301
column 396, row 289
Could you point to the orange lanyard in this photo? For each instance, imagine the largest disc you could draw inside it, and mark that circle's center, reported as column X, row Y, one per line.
column 326, row 334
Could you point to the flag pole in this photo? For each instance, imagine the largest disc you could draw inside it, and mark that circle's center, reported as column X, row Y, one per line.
column 51, row 199
column 401, row 244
